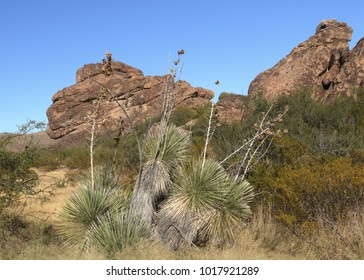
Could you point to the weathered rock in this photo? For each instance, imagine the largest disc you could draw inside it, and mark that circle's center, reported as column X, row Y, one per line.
column 92, row 70
column 351, row 75
column 142, row 96
column 323, row 63
column 231, row 108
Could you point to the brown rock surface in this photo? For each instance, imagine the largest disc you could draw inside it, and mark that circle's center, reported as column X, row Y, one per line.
column 231, row 108
column 323, row 63
column 68, row 116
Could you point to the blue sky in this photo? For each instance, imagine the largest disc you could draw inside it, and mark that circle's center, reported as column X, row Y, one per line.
column 43, row 43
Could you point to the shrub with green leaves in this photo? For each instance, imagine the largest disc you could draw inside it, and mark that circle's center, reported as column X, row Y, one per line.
column 313, row 190
column 16, row 176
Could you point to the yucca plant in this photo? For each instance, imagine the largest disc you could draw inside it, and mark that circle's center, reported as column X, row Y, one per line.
column 224, row 221
column 104, row 175
column 163, row 154
column 114, row 231
column 86, row 205
column 204, row 204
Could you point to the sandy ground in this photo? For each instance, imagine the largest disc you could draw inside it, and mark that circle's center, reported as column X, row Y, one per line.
column 47, row 204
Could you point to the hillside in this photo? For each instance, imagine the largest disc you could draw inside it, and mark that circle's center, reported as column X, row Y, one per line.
column 39, row 139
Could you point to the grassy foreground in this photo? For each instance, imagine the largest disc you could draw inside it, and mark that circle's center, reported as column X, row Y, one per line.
column 33, row 235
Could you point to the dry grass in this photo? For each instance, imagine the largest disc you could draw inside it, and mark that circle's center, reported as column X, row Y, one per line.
column 262, row 238
column 46, row 204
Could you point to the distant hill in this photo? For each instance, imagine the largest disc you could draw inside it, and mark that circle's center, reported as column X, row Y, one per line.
column 40, row 139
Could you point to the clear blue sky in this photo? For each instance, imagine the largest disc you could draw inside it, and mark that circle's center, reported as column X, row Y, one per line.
column 43, row 43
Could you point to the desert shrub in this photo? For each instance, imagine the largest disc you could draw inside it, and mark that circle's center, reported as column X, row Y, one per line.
column 19, row 234
column 227, row 138
column 314, row 172
column 57, row 157
column 183, row 114
column 16, row 176
column 225, row 94
column 313, row 190
column 326, row 127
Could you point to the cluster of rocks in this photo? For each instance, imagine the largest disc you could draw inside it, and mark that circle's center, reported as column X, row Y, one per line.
column 141, row 96
column 324, row 63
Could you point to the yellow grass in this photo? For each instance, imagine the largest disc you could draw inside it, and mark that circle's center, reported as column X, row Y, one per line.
column 262, row 238
column 46, row 205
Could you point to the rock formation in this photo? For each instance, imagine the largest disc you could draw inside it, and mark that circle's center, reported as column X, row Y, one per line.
column 323, row 63
column 69, row 115
column 231, row 108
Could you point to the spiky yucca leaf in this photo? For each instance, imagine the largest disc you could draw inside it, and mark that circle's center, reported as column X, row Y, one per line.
column 234, row 209
column 114, row 231
column 205, row 201
column 83, row 208
column 163, row 154
column 172, row 149
column 171, row 152
column 87, row 204
column 103, row 176
column 196, row 189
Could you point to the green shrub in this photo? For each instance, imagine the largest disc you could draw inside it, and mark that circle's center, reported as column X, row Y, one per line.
column 313, row 190
column 326, row 127
column 224, row 95
column 16, row 176
column 57, row 157
column 183, row 114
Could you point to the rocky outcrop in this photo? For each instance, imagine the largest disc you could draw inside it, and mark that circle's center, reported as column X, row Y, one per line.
column 141, row 96
column 323, row 63
column 352, row 72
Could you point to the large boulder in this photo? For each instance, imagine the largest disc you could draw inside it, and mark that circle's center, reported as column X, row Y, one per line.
column 141, row 96
column 323, row 63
